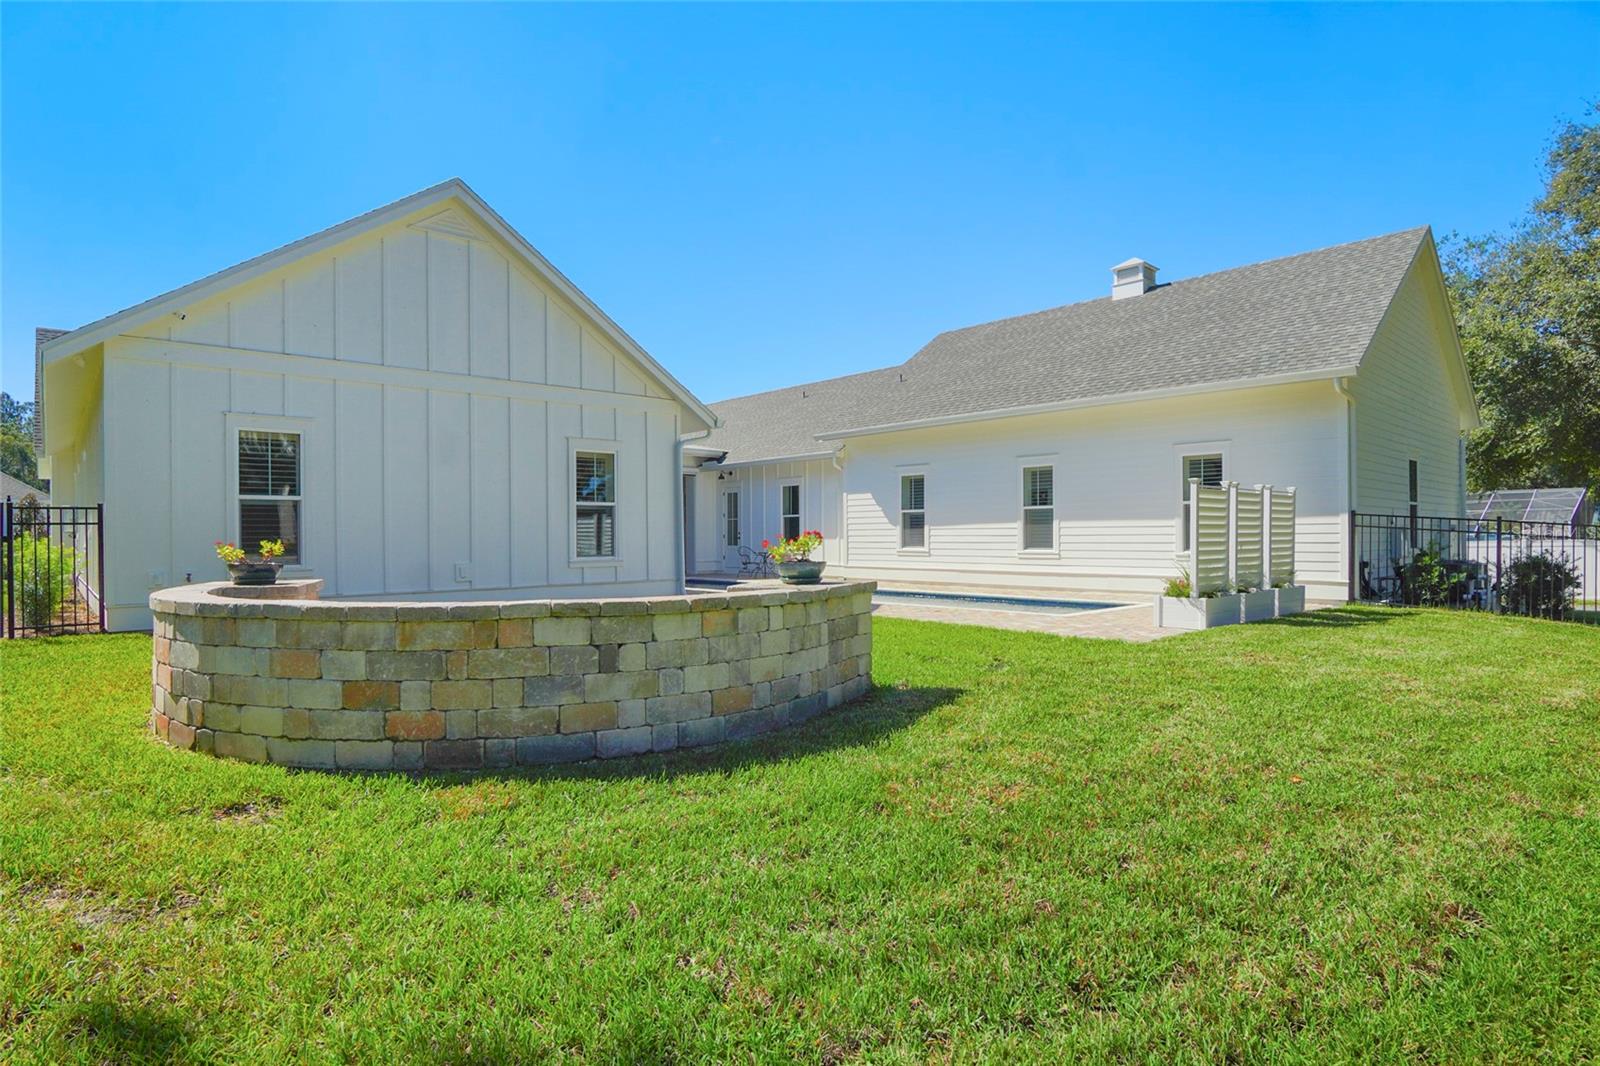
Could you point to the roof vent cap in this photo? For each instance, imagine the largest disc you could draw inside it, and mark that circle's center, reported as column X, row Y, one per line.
column 1133, row 277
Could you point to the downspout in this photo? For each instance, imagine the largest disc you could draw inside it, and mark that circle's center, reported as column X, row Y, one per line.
column 844, row 540
column 677, row 505
column 1342, row 387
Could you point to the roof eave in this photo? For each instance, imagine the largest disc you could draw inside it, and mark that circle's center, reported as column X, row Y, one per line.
column 102, row 329
column 1093, row 401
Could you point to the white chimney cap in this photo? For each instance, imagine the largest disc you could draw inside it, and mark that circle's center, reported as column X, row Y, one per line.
column 1132, row 277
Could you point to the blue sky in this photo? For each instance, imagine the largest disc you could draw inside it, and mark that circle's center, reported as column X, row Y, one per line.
column 767, row 194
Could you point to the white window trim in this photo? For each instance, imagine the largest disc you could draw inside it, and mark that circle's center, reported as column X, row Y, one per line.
column 903, row 472
column 736, row 489
column 800, row 495
column 617, row 452
column 232, row 424
column 1180, row 452
column 1024, row 463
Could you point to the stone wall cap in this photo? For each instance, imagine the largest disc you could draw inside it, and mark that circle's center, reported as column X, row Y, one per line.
column 220, row 599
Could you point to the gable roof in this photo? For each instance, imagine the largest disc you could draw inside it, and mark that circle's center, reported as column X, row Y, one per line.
column 74, row 341
column 1304, row 317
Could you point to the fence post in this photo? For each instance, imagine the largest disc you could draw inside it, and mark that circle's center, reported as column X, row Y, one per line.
column 1350, row 560
column 10, row 564
column 1498, row 561
column 100, row 554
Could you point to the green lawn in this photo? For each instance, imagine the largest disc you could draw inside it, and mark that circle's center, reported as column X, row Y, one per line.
column 1366, row 834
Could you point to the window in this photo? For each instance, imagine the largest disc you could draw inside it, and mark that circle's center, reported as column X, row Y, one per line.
column 269, row 490
column 596, row 505
column 1038, row 508
column 1413, row 501
column 789, row 504
column 730, row 511
column 1208, row 470
column 913, row 513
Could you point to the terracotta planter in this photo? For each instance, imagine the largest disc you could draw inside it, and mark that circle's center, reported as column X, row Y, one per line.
column 801, row 571
column 254, row 572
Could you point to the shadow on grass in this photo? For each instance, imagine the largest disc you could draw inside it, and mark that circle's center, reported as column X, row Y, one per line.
column 1340, row 617
column 112, row 1032
column 882, row 712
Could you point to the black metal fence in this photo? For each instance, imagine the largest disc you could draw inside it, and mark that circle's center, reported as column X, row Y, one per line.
column 1538, row 569
column 52, row 569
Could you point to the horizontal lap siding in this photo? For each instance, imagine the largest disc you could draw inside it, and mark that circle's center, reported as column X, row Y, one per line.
column 1116, row 487
column 1405, row 407
column 406, row 474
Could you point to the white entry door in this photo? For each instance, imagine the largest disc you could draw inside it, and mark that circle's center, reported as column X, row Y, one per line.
column 730, row 530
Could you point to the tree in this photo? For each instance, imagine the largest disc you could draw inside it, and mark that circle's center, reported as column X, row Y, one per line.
column 16, row 440
column 1528, row 310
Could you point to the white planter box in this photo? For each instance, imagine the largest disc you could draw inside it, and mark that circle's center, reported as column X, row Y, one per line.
column 1176, row 612
column 1260, row 605
column 1291, row 600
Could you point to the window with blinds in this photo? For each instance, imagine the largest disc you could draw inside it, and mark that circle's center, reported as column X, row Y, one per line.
column 1208, row 470
column 269, row 491
column 913, row 512
column 1038, row 508
column 595, row 505
column 789, row 500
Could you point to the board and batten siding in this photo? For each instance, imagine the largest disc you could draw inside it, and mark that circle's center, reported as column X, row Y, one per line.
column 438, row 386
column 1405, row 408
column 1117, row 490
column 760, row 503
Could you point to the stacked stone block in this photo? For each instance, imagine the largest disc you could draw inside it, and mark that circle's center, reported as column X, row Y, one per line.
column 363, row 686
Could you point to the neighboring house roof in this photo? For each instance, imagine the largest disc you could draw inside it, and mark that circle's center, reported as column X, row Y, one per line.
column 16, row 489
column 77, row 340
column 1304, row 317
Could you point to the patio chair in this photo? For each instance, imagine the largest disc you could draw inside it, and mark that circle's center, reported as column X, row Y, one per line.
column 754, row 563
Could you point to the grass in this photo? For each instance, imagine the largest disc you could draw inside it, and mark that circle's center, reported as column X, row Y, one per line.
column 1368, row 834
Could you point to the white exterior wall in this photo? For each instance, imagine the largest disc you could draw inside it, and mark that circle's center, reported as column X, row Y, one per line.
column 759, row 490
column 1117, row 490
column 1405, row 407
column 439, row 387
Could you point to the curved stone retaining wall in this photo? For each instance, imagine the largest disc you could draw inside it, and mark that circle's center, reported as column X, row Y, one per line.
column 368, row 685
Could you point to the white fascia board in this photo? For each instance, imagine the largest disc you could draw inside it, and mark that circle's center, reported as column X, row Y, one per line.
column 807, row 457
column 120, row 321
column 1094, row 401
column 95, row 332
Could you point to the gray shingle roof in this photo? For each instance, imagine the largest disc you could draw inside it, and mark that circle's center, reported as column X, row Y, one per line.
column 1303, row 315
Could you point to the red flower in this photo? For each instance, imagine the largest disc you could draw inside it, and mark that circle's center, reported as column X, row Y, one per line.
column 766, row 544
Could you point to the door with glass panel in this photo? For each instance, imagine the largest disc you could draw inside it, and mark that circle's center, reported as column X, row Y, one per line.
column 730, row 530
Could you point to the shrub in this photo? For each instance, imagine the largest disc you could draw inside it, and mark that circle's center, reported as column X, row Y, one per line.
column 1539, row 585
column 1428, row 582
column 43, row 577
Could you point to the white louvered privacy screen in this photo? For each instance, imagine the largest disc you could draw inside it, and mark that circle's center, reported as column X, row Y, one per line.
column 269, row 491
column 595, row 478
column 1241, row 538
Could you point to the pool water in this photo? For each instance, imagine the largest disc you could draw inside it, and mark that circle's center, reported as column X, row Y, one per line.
column 1025, row 604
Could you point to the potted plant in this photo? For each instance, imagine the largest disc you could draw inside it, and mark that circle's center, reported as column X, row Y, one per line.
column 262, row 570
column 1179, row 607
column 1257, row 605
column 792, row 558
column 1291, row 598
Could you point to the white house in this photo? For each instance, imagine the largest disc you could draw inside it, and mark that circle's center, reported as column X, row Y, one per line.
column 415, row 401
column 1051, row 451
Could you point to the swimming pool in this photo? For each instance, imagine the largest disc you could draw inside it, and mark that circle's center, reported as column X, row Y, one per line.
column 980, row 601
